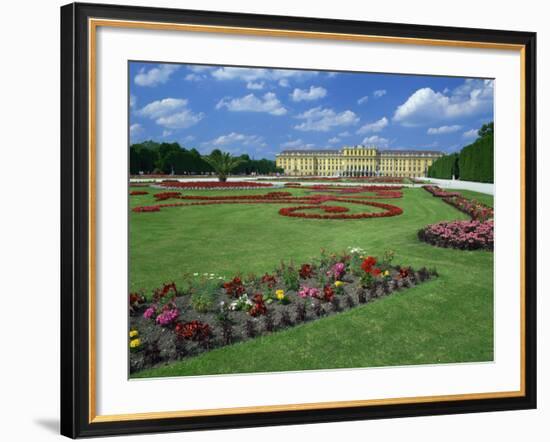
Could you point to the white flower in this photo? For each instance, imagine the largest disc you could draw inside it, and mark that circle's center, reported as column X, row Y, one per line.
column 205, row 274
column 356, row 250
column 212, row 274
column 195, row 274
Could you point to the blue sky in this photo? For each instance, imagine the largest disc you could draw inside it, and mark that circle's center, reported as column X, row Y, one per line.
column 261, row 111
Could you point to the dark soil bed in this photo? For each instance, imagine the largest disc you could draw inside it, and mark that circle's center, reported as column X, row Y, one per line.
column 192, row 332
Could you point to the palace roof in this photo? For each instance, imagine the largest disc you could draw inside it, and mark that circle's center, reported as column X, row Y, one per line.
column 397, row 152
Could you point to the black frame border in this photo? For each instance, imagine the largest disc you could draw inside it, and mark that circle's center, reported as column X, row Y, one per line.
column 75, row 220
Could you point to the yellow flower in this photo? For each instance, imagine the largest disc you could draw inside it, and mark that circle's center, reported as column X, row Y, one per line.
column 280, row 294
column 386, row 273
column 133, row 333
column 338, row 283
column 134, row 343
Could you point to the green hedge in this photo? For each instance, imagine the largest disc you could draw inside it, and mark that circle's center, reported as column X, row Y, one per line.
column 473, row 163
column 445, row 167
column 476, row 161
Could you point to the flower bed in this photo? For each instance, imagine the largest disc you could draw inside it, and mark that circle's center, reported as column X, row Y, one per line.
column 368, row 179
column 380, row 192
column 463, row 235
column 473, row 208
column 437, row 191
column 476, row 234
column 207, row 312
column 138, row 192
column 212, row 185
column 310, row 202
column 335, row 212
column 145, row 209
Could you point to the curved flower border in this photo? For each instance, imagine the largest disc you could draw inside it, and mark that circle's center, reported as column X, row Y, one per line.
column 305, row 203
column 462, row 235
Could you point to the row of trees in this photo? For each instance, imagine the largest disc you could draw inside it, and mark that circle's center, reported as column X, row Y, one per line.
column 166, row 158
column 473, row 163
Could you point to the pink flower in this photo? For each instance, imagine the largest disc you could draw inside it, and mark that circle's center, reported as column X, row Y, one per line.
column 149, row 313
column 168, row 316
column 337, row 270
column 308, row 292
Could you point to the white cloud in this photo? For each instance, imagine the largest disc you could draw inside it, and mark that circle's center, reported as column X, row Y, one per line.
column 250, row 103
column 314, row 93
column 237, row 138
column 180, row 120
column 245, row 74
column 159, row 108
column 444, row 129
column 166, row 133
column 284, row 83
column 376, row 141
column 344, row 134
column 380, row 93
column 133, row 100
column 136, row 129
column 155, row 76
column 472, row 133
column 297, row 144
column 172, row 113
column 255, row 85
column 334, row 140
column 199, row 68
column 255, row 74
column 237, row 144
column 137, row 132
column 324, row 119
column 426, row 106
column 193, row 77
column 363, row 100
column 376, row 126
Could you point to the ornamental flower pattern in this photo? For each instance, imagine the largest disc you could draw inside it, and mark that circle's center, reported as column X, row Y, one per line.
column 209, row 185
column 305, row 203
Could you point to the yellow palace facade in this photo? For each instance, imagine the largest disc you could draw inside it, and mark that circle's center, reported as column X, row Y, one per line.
column 357, row 161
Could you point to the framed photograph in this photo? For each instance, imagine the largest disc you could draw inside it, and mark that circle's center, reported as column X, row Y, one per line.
column 273, row 220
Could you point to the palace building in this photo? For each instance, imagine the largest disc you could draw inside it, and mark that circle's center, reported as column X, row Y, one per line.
column 357, row 161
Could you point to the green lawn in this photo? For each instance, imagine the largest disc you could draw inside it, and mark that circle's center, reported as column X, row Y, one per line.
column 449, row 319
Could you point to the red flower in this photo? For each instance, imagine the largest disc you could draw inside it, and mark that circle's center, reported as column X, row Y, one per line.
column 194, row 331
column 167, row 290
column 146, row 209
column 213, row 184
column 259, row 308
column 328, row 293
column 403, row 272
column 368, row 264
column 306, row 271
column 270, row 280
column 234, row 287
column 376, row 271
